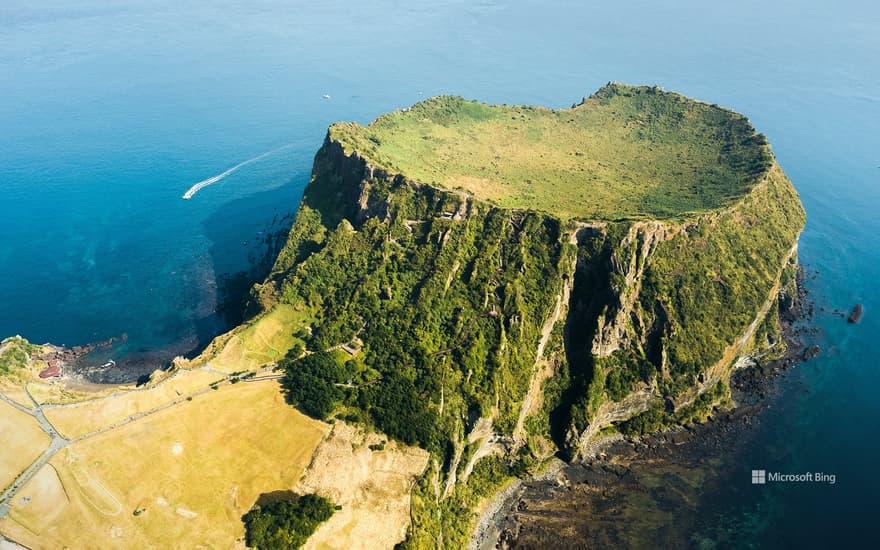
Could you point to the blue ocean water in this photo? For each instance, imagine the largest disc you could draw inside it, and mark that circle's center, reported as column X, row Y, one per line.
column 110, row 110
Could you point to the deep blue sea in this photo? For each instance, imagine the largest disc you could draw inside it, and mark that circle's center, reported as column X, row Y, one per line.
column 111, row 110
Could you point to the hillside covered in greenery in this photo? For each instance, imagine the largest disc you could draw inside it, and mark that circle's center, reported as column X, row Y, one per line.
column 498, row 284
column 15, row 354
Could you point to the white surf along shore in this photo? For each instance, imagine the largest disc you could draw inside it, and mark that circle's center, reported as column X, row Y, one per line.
column 214, row 179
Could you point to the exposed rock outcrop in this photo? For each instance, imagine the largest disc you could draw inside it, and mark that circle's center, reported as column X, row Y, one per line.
column 855, row 315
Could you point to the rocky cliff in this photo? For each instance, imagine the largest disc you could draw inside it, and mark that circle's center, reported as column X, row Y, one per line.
column 512, row 281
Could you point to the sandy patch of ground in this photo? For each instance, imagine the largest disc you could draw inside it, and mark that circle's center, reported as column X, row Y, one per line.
column 21, row 442
column 373, row 488
column 241, row 435
column 90, row 487
column 183, row 512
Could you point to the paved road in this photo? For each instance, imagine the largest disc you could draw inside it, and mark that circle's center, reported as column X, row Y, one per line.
column 17, row 405
column 55, row 445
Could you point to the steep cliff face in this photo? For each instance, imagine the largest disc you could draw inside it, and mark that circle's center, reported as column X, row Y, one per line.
column 494, row 333
column 447, row 291
column 685, row 300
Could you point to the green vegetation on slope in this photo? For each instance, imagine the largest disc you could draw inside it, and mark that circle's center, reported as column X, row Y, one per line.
column 449, row 292
column 626, row 152
column 700, row 291
column 657, row 418
column 285, row 523
column 14, row 354
column 714, row 278
column 450, row 311
column 446, row 523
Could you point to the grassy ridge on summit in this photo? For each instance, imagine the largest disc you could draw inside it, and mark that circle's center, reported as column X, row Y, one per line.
column 625, row 152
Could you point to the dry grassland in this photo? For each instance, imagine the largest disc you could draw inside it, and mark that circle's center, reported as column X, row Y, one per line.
column 189, row 472
column 82, row 418
column 267, row 339
column 21, row 442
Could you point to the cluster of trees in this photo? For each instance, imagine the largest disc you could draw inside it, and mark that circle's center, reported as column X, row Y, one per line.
column 319, row 383
column 626, row 368
column 310, row 382
column 396, row 408
column 285, row 523
column 650, row 421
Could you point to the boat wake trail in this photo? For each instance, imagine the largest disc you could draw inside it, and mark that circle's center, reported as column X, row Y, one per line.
column 214, row 179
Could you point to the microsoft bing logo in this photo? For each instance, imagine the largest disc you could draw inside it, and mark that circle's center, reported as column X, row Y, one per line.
column 761, row 477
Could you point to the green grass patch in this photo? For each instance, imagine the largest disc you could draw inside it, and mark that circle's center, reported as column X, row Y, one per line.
column 15, row 353
column 625, row 152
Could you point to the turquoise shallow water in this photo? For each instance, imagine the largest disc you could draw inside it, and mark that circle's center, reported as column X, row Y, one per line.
column 110, row 110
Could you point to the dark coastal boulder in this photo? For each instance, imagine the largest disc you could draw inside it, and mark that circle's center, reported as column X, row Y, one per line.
column 856, row 315
column 811, row 352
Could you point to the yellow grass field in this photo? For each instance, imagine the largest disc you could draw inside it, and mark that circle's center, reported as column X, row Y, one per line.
column 17, row 394
column 75, row 420
column 21, row 442
column 58, row 391
column 190, row 472
column 265, row 340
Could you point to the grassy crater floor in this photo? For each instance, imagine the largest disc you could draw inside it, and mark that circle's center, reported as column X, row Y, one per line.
column 625, row 152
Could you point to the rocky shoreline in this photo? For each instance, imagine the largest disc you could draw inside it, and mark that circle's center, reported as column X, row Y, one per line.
column 113, row 362
column 627, row 495
column 133, row 366
column 106, row 362
column 68, row 356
